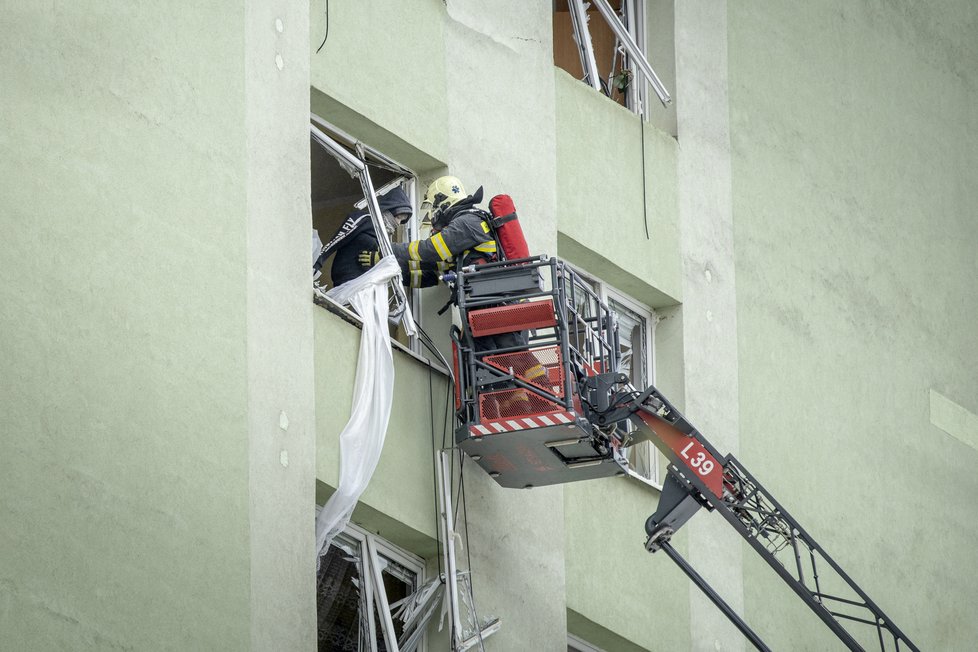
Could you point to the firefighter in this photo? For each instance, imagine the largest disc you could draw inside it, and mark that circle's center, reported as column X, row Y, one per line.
column 460, row 235
column 357, row 233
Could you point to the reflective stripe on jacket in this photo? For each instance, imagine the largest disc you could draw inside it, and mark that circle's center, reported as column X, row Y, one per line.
column 467, row 232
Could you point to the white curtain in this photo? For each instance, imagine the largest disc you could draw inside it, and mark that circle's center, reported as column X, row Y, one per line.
column 363, row 437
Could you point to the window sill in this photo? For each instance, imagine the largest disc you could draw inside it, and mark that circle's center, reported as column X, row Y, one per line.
column 635, row 477
column 351, row 317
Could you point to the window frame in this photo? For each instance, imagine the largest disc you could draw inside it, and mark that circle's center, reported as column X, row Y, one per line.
column 337, row 143
column 632, row 39
column 371, row 547
column 578, row 644
column 607, row 292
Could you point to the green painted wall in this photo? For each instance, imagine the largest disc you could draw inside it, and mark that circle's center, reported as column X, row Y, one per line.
column 500, row 102
column 158, row 323
column 386, row 64
column 124, row 446
column 854, row 140
column 611, row 580
column 603, row 203
column 402, row 484
column 618, row 595
column 130, row 477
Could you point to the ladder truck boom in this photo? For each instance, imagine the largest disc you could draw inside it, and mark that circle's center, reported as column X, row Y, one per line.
column 699, row 476
column 557, row 410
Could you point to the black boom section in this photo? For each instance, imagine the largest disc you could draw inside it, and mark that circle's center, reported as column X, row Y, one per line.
column 805, row 566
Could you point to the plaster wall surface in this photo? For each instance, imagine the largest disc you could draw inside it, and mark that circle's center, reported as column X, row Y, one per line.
column 401, row 486
column 854, row 143
column 461, row 107
column 124, row 455
column 709, row 318
column 611, row 580
column 616, row 202
column 362, row 65
column 618, row 595
column 281, row 400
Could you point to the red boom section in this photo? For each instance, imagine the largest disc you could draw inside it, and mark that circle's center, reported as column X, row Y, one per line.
column 689, row 453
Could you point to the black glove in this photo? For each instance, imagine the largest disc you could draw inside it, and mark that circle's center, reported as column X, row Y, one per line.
column 368, row 259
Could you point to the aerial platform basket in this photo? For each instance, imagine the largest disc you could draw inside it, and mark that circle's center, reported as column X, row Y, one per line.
column 518, row 408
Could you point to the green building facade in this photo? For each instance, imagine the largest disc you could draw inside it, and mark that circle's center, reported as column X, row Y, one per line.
column 796, row 234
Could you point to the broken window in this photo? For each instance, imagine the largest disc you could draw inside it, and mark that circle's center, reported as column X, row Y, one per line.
column 636, row 329
column 578, row 644
column 341, row 169
column 603, row 43
column 371, row 596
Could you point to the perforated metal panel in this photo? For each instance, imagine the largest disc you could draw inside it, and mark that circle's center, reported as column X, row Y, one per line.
column 514, row 403
column 541, row 367
column 514, row 317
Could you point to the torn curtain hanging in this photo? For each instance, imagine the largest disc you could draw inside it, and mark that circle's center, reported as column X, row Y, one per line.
column 362, row 439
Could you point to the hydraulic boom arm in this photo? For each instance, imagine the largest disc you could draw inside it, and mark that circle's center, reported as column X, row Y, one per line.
column 699, row 476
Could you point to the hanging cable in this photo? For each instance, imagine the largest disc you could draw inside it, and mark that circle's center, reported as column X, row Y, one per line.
column 430, row 345
column 458, row 495
column 326, row 35
column 434, row 468
column 645, row 201
column 468, row 556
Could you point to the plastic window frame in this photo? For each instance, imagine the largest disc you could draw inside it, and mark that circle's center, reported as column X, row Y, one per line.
column 578, row 644
column 371, row 548
column 606, row 291
column 368, row 156
column 632, row 39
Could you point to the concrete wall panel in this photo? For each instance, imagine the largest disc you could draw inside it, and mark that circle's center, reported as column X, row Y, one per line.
column 853, row 131
column 600, row 192
column 124, row 447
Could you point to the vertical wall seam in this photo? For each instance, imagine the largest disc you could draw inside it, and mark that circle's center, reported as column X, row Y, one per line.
column 709, row 293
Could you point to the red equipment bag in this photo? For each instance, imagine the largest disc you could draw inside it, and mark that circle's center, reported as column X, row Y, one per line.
column 506, row 224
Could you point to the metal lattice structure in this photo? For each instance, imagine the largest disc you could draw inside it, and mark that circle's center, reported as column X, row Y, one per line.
column 805, row 566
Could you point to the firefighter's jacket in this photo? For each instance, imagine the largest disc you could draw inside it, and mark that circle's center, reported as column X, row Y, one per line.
column 356, row 234
column 467, row 239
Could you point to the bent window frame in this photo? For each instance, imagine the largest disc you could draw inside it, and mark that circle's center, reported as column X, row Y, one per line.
column 356, row 158
column 631, row 40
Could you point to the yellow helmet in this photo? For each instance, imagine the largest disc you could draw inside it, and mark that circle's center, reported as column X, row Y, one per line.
column 443, row 193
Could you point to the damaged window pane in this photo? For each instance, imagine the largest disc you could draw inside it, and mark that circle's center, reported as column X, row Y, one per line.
column 339, row 600
column 349, row 609
column 636, row 328
column 603, row 43
column 341, row 167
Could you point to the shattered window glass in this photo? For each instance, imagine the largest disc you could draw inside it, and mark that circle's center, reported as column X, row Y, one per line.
column 636, row 324
column 340, row 601
column 633, row 335
column 338, row 201
column 349, row 609
column 399, row 583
